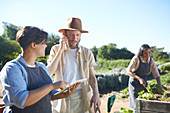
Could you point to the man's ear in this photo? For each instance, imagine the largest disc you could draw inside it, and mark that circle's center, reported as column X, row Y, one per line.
column 33, row 45
column 64, row 33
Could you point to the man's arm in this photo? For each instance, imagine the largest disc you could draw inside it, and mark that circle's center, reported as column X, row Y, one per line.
column 56, row 53
column 95, row 98
column 159, row 84
column 156, row 75
column 52, row 65
column 93, row 81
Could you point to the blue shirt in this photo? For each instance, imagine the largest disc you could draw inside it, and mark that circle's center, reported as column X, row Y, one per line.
column 14, row 81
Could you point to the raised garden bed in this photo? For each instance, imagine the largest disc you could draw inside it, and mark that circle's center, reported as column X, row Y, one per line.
column 152, row 106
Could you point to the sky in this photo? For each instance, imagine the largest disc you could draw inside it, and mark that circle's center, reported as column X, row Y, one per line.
column 126, row 23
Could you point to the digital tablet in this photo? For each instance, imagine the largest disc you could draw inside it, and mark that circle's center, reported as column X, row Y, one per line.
column 70, row 86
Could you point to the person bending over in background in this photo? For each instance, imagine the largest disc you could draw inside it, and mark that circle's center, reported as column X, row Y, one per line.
column 140, row 66
column 27, row 84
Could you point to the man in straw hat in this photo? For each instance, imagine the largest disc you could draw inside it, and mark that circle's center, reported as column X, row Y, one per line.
column 75, row 62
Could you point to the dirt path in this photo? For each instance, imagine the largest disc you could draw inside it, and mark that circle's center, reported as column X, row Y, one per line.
column 119, row 102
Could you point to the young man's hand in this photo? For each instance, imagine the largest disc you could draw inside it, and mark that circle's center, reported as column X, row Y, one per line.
column 64, row 41
column 59, row 84
column 96, row 102
column 66, row 94
column 71, row 90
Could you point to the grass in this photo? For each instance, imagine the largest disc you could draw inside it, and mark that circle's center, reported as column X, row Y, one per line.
column 103, row 65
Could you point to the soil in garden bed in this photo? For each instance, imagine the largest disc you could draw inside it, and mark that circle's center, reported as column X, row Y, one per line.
column 160, row 98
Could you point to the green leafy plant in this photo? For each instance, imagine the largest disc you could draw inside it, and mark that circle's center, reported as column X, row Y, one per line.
column 123, row 110
column 164, row 95
column 109, row 68
column 141, row 93
column 165, row 68
column 168, row 98
column 165, row 78
column 125, row 93
column 153, row 86
column 146, row 95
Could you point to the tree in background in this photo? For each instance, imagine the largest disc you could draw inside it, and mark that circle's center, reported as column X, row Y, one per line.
column 52, row 40
column 158, row 54
column 95, row 52
column 111, row 52
column 9, row 49
column 102, row 52
column 10, row 31
column 124, row 53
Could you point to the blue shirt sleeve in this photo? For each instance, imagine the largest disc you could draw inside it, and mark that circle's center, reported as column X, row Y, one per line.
column 14, row 85
column 53, row 91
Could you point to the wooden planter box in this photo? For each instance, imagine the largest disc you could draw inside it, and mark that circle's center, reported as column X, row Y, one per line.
column 152, row 106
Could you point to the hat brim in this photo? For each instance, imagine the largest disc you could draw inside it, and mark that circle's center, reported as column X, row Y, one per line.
column 62, row 30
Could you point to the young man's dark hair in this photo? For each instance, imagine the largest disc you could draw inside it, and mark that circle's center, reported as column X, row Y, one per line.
column 29, row 34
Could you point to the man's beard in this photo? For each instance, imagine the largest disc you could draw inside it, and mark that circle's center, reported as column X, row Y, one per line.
column 74, row 46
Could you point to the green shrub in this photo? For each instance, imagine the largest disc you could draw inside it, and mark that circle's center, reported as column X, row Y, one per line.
column 153, row 86
column 162, row 68
column 165, row 68
column 146, row 95
column 42, row 59
column 109, row 68
column 165, row 78
column 123, row 110
column 163, row 61
column 103, row 65
column 0, row 66
column 125, row 93
column 119, row 63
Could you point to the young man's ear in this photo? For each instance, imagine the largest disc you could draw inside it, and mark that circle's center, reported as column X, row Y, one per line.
column 65, row 33
column 33, row 45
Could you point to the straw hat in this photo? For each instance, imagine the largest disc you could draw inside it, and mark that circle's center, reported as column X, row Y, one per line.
column 73, row 23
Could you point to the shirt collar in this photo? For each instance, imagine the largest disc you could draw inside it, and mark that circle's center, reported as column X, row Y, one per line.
column 20, row 58
column 78, row 49
column 143, row 59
